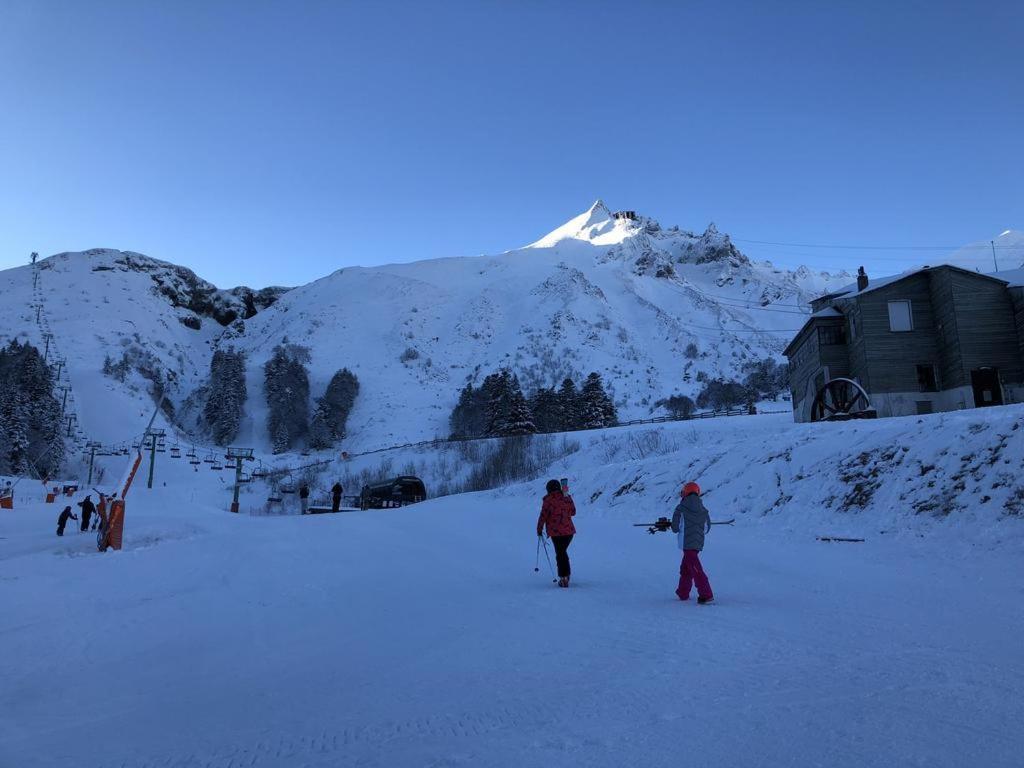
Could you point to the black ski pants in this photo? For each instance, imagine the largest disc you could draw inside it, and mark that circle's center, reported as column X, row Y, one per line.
column 85, row 519
column 335, row 503
column 562, row 554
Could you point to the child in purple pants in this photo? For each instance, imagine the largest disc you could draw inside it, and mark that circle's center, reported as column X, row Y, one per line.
column 696, row 522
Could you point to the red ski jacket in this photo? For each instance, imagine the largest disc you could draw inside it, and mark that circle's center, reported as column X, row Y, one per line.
column 556, row 513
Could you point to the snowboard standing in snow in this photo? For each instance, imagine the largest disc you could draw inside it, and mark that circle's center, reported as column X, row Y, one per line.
column 696, row 523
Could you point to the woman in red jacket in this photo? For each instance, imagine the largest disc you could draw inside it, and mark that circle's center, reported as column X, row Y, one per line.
column 556, row 514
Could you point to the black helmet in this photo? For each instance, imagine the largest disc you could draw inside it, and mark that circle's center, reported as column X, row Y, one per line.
column 553, row 486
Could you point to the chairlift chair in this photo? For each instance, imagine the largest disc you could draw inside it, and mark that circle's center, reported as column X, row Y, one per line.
column 210, row 458
column 216, row 466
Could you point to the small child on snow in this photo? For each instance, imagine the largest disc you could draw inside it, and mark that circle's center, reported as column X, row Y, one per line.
column 696, row 523
column 62, row 521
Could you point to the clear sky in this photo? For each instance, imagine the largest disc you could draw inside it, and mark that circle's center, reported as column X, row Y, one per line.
column 273, row 142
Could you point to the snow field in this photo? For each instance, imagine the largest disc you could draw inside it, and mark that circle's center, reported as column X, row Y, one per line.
column 422, row 636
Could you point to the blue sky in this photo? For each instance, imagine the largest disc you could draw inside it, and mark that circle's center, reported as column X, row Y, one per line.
column 261, row 143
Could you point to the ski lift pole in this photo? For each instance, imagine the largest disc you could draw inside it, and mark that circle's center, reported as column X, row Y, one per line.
column 153, row 435
column 238, row 455
column 92, row 446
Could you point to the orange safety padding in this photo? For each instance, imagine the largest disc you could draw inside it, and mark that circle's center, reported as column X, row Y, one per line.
column 7, row 502
column 115, row 525
column 51, row 497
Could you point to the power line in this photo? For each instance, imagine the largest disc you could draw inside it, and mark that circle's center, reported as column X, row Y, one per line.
column 949, row 248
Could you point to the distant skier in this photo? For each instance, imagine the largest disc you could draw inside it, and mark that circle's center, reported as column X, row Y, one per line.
column 696, row 522
column 62, row 521
column 336, row 492
column 304, row 497
column 556, row 515
column 87, row 510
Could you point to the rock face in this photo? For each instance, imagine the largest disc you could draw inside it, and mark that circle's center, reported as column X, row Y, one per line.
column 183, row 288
column 655, row 310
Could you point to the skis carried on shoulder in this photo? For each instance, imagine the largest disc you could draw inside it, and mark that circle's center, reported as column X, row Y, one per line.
column 663, row 524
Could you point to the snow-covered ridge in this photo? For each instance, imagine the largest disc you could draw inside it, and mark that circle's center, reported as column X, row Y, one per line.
column 655, row 310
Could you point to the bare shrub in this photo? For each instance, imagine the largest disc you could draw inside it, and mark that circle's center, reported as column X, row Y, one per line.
column 651, row 442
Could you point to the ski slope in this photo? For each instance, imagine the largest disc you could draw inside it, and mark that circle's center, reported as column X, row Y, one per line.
column 423, row 636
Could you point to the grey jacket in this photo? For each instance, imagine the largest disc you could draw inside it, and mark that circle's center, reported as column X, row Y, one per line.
column 696, row 522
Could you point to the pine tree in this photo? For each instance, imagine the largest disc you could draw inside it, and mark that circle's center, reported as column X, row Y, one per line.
column 31, row 438
column 507, row 410
column 468, row 417
column 333, row 409
column 568, row 406
column 286, row 384
column 225, row 404
column 544, row 405
column 596, row 408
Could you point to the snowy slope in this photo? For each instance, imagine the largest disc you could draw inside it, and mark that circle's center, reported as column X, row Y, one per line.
column 423, row 636
column 101, row 304
column 1009, row 253
column 621, row 296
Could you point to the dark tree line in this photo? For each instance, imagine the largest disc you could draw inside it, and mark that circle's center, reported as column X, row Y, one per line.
column 498, row 408
column 31, row 436
column 332, row 410
column 226, row 401
column 286, row 383
column 764, row 380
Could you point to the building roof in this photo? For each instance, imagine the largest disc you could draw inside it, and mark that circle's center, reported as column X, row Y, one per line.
column 849, row 291
column 828, row 313
column 1013, row 277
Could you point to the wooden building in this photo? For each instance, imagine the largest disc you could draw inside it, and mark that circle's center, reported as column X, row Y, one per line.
column 934, row 339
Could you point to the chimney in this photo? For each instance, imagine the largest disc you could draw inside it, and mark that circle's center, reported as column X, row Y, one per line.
column 862, row 279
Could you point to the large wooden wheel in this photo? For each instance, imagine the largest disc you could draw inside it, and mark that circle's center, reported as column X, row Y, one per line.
column 841, row 399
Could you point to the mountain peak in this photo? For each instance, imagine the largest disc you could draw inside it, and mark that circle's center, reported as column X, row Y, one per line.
column 596, row 225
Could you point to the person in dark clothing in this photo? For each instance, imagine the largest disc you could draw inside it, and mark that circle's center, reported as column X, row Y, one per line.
column 87, row 509
column 336, row 492
column 62, row 521
column 556, row 515
column 304, row 497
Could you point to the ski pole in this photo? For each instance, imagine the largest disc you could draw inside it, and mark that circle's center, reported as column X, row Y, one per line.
column 548, row 558
column 536, row 564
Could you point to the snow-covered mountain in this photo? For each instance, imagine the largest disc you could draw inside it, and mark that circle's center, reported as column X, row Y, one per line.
column 653, row 309
column 1007, row 254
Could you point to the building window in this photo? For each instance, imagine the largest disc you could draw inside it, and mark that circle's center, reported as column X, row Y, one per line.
column 831, row 334
column 901, row 318
column 926, row 378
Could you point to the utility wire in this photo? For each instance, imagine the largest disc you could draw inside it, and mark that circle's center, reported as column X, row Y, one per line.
column 951, row 249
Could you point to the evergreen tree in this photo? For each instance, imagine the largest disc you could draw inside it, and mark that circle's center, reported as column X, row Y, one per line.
column 333, row 408
column 31, row 435
column 544, row 405
column 596, row 408
column 225, row 404
column 286, row 383
column 568, row 406
column 468, row 418
column 507, row 410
